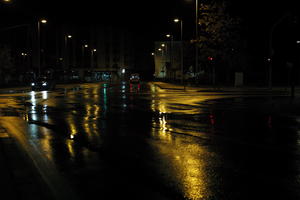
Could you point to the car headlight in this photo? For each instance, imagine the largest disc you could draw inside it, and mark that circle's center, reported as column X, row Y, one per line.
column 32, row 84
column 45, row 83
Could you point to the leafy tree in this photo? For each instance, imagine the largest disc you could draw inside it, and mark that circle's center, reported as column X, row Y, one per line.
column 220, row 38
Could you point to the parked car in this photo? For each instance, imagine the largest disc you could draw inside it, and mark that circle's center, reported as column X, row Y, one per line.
column 42, row 83
column 134, row 78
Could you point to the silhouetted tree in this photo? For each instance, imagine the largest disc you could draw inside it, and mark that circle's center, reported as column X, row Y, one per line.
column 6, row 64
column 220, row 39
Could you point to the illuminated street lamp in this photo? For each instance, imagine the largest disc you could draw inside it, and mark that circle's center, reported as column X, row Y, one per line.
column 196, row 23
column 171, row 49
column 181, row 46
column 92, row 57
column 43, row 21
column 6, row 1
column 84, row 46
column 66, row 54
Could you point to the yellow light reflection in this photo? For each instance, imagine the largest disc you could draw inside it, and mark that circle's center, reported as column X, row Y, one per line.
column 45, row 142
column 185, row 158
column 73, row 131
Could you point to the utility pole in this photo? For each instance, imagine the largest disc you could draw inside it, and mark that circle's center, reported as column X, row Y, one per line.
column 196, row 34
column 271, row 50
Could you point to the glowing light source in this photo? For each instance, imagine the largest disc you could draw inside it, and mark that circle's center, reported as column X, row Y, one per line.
column 7, row 1
column 44, row 21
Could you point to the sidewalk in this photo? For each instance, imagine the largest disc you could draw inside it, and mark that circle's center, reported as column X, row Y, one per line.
column 234, row 90
column 19, row 180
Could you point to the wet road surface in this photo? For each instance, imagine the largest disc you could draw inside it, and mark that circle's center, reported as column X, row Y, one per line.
column 113, row 141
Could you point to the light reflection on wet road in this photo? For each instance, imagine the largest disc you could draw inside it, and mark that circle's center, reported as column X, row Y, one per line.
column 120, row 141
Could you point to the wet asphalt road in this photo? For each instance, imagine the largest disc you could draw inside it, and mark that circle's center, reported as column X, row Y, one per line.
column 111, row 141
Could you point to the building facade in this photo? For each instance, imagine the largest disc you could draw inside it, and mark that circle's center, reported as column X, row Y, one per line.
column 168, row 59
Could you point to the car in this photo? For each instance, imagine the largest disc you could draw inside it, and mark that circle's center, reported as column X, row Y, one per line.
column 134, row 78
column 42, row 83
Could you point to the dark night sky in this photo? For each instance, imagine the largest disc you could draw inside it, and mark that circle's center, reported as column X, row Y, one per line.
column 144, row 16
column 149, row 19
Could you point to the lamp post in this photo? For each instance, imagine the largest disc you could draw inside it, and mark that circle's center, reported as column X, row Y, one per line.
column 82, row 54
column 66, row 54
column 92, row 57
column 162, row 69
column 171, row 50
column 196, row 34
column 181, row 47
column 271, row 50
column 43, row 21
column 164, row 58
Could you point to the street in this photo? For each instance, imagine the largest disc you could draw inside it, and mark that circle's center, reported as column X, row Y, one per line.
column 121, row 141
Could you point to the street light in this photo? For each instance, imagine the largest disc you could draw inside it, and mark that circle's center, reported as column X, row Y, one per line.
column 171, row 50
column 66, row 54
column 82, row 53
column 43, row 21
column 181, row 47
column 271, row 50
column 92, row 57
column 196, row 30
column 6, row 1
column 163, row 59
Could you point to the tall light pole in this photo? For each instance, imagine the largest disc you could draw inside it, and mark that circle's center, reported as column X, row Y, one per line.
column 43, row 21
column 181, row 46
column 162, row 69
column 271, row 50
column 164, row 58
column 66, row 54
column 171, row 50
column 196, row 34
column 82, row 54
column 92, row 57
